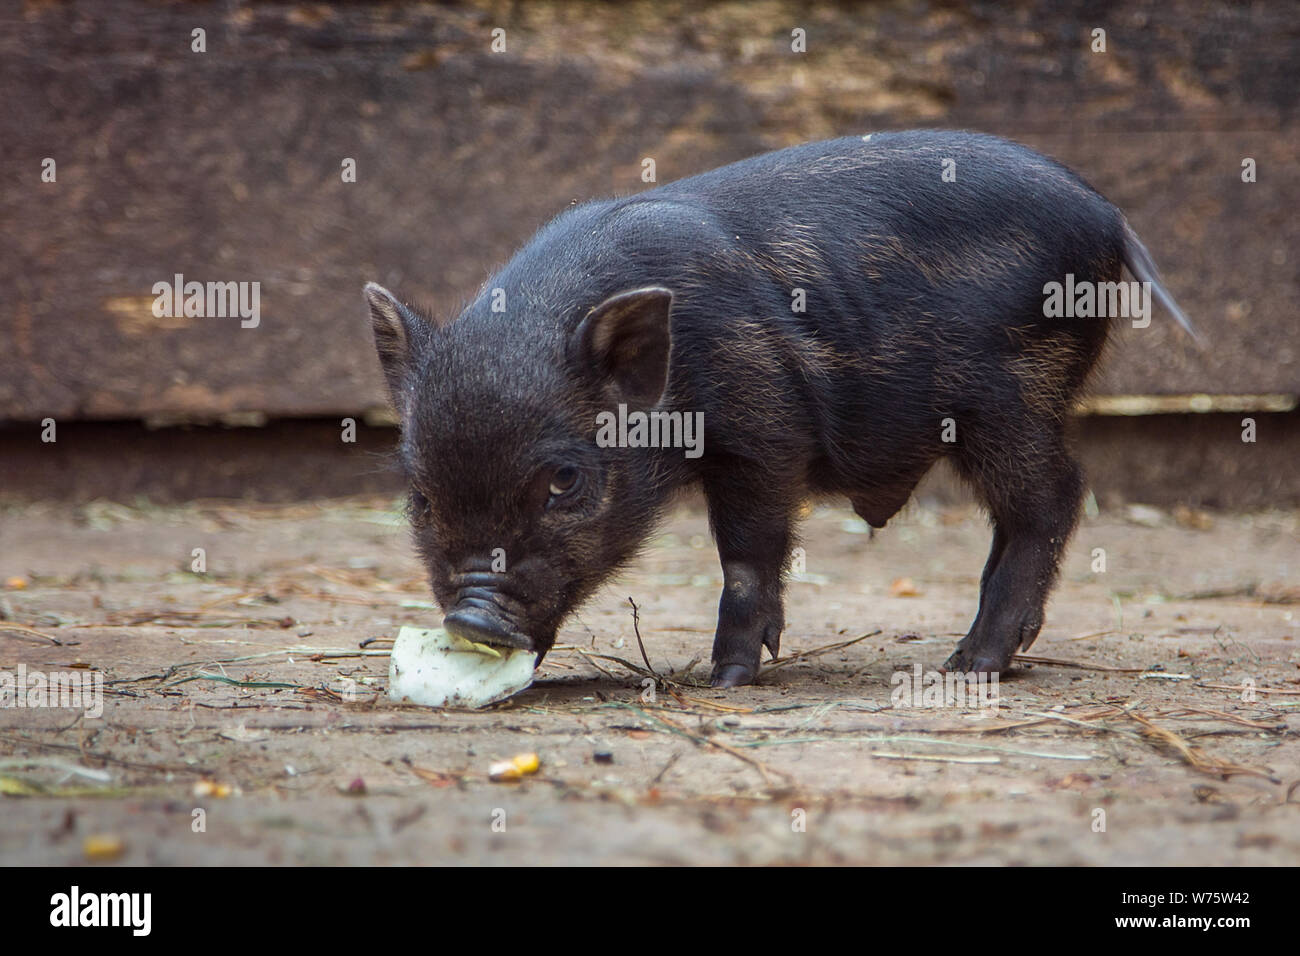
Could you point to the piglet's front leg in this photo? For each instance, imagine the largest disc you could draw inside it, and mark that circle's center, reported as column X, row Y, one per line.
column 753, row 537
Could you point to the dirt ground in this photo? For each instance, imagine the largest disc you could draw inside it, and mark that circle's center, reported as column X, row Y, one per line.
column 1154, row 723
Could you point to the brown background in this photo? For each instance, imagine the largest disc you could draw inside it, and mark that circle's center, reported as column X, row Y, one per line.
column 225, row 165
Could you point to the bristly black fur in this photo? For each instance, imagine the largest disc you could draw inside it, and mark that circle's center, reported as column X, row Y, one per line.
column 923, row 335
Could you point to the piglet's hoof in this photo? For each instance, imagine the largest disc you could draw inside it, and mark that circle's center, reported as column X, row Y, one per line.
column 975, row 662
column 732, row 675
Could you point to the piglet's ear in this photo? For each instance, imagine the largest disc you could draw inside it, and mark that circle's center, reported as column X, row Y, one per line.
column 626, row 342
column 399, row 333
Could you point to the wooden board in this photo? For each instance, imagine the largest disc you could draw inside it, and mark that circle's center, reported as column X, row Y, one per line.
column 225, row 165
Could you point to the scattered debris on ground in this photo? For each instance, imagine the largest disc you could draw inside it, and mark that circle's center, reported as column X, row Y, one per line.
column 246, row 720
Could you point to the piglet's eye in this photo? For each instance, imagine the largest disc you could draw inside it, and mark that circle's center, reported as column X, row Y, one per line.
column 418, row 508
column 563, row 480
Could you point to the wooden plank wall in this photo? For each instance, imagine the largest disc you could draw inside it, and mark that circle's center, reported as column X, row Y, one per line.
column 225, row 165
